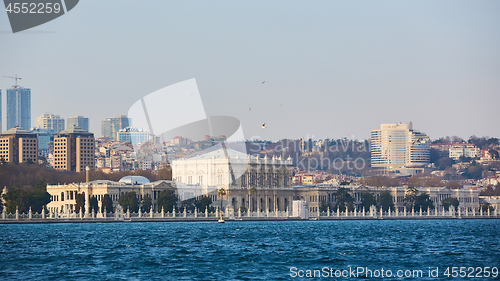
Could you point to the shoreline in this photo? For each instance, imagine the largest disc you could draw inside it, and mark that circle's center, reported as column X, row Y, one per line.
column 136, row 220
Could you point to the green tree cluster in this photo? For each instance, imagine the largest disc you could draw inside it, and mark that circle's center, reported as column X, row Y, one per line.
column 344, row 199
column 368, row 200
column 485, row 207
column 80, row 202
column 416, row 201
column 93, row 204
column 167, row 200
column 450, row 201
column 423, row 201
column 107, row 204
column 23, row 200
column 386, row 201
column 146, row 203
column 129, row 201
column 199, row 203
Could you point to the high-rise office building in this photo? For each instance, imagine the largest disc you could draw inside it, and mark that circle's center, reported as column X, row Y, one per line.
column 111, row 126
column 50, row 121
column 396, row 149
column 133, row 135
column 74, row 150
column 78, row 121
column 45, row 136
column 18, row 107
column 18, row 146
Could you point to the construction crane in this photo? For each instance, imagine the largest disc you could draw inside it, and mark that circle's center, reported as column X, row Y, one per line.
column 15, row 78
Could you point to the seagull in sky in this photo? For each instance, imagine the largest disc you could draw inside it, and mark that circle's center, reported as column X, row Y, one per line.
column 263, row 82
column 250, row 109
column 264, row 126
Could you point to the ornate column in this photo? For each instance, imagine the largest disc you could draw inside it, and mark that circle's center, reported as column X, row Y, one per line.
column 87, row 203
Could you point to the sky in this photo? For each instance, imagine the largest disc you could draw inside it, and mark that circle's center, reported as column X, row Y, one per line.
column 332, row 69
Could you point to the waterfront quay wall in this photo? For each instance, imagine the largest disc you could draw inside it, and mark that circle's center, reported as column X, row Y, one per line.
column 229, row 215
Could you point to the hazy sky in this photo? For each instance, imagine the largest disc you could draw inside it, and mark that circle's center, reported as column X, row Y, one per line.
column 338, row 67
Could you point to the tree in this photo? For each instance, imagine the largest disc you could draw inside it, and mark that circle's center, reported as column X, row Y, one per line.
column 323, row 206
column 37, row 199
column 167, row 200
column 129, row 201
column 410, row 195
column 486, row 206
column 494, row 154
column 368, row 200
column 42, row 184
column 16, row 199
column 22, row 200
column 107, row 204
column 204, row 202
column 444, row 163
column 146, row 203
column 221, row 192
column 434, row 155
column 344, row 199
column 454, row 185
column 94, row 205
column 80, row 202
column 381, row 181
column 188, row 205
column 450, row 201
column 165, row 173
column 423, row 201
column 474, row 172
column 386, row 200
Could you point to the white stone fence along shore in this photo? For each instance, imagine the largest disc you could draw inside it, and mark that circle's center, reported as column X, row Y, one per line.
column 180, row 215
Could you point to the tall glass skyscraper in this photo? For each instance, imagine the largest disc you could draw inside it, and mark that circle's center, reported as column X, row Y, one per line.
column 397, row 149
column 78, row 121
column 19, row 107
column 113, row 125
column 50, row 121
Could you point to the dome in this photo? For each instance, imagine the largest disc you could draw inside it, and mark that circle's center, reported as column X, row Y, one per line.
column 134, row 180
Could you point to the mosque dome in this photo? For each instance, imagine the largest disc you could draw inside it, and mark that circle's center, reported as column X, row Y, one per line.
column 134, row 180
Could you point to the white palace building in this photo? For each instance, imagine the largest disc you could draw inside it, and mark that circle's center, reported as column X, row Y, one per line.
column 63, row 197
column 240, row 174
column 258, row 184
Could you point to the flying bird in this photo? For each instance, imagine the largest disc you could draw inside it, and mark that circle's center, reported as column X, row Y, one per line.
column 250, row 109
column 264, row 126
column 263, row 82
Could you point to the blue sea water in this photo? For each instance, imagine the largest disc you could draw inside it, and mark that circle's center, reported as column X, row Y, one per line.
column 246, row 250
